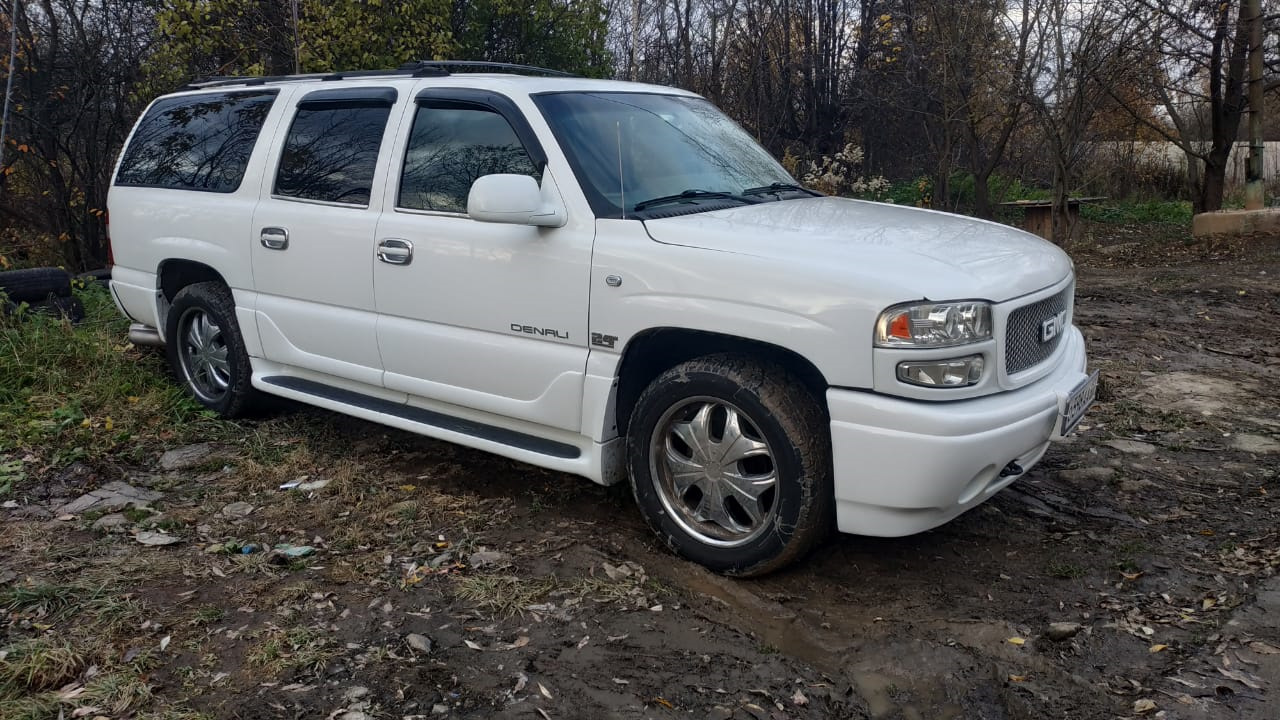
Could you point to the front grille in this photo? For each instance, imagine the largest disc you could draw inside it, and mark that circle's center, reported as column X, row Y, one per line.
column 1022, row 346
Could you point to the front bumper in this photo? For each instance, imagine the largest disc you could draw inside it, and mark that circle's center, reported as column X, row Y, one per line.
column 905, row 466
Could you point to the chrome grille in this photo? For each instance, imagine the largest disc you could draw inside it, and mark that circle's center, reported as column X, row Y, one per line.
column 1022, row 346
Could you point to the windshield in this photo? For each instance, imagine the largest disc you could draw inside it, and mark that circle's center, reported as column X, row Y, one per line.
column 629, row 148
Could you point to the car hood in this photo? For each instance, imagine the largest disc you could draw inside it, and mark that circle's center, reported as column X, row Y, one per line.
column 913, row 252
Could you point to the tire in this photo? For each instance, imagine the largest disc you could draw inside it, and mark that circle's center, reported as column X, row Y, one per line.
column 211, row 360
column 101, row 276
column 69, row 308
column 743, row 523
column 35, row 285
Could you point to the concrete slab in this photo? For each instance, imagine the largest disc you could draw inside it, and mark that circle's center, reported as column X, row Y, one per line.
column 1236, row 222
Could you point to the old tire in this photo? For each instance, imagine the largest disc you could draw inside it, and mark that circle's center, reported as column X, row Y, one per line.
column 730, row 462
column 35, row 284
column 68, row 308
column 207, row 351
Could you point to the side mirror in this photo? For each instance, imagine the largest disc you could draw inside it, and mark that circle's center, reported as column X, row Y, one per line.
column 514, row 200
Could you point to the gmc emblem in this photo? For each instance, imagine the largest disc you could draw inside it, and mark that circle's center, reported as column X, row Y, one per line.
column 1049, row 329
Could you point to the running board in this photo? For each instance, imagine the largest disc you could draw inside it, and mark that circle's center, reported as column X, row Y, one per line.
column 431, row 418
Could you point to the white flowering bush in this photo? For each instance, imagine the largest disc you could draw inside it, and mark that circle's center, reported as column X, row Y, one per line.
column 841, row 174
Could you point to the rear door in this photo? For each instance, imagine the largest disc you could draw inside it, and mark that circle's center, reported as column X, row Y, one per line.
column 482, row 315
column 313, row 233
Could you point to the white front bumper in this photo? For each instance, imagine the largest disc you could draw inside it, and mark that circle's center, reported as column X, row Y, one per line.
column 905, row 466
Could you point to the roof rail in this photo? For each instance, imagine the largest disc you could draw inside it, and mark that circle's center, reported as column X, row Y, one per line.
column 420, row 68
column 481, row 65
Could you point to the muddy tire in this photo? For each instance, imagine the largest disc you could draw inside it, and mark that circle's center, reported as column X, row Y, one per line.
column 207, row 351
column 35, row 285
column 730, row 462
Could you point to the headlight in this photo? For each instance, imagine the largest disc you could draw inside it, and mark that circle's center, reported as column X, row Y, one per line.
column 931, row 325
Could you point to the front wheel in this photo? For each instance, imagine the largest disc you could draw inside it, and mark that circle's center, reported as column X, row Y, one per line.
column 206, row 349
column 730, row 461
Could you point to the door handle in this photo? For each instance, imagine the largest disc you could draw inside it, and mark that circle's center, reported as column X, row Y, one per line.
column 274, row 238
column 395, row 251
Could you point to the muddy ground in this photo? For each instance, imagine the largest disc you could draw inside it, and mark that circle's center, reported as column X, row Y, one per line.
column 450, row 583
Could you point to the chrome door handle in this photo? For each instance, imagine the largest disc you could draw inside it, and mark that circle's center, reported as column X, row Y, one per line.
column 395, row 251
column 274, row 238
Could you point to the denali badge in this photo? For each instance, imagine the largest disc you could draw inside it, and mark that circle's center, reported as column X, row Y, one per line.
column 530, row 330
column 1050, row 328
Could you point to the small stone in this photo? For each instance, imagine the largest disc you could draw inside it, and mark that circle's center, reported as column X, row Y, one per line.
column 189, row 456
column 439, row 709
column 110, row 522
column 1133, row 447
column 237, row 509
column 418, row 643
column 1060, row 631
column 488, row 557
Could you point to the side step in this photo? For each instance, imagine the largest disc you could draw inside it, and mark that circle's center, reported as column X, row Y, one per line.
column 422, row 416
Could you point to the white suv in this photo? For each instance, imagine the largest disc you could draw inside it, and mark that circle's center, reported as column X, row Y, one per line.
column 603, row 278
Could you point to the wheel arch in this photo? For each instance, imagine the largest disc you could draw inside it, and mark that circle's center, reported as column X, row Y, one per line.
column 650, row 353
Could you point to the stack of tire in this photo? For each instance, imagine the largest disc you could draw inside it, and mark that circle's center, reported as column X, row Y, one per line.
column 46, row 291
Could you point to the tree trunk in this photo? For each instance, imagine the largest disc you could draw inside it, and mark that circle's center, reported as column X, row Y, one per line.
column 1212, row 186
column 982, row 195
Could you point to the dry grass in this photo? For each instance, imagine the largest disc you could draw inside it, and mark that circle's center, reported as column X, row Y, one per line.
column 297, row 648
column 503, row 594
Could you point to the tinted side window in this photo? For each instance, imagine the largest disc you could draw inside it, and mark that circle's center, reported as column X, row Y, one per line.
column 449, row 148
column 330, row 154
column 196, row 142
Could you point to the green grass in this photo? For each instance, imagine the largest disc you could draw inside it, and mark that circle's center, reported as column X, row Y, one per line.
column 73, row 392
column 1138, row 212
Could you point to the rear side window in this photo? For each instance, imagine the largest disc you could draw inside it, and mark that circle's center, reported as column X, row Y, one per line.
column 450, row 148
column 196, row 142
column 331, row 152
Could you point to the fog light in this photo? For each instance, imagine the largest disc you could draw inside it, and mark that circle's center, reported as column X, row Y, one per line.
column 957, row 372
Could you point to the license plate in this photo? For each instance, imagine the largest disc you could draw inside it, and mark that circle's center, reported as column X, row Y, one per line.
column 1073, row 405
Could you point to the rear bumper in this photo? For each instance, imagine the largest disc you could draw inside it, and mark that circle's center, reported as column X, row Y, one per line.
column 135, row 294
column 905, row 466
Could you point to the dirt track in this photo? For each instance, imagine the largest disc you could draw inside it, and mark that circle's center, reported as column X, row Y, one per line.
column 1154, row 529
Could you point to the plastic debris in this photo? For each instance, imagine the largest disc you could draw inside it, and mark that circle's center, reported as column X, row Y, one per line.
column 147, row 537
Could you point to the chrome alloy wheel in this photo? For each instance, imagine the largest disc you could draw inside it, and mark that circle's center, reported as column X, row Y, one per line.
column 714, row 472
column 203, row 355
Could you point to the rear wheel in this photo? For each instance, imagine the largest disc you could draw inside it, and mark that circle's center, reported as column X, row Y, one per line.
column 730, row 462
column 206, row 349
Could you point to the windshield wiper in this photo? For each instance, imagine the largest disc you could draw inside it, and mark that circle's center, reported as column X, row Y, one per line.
column 693, row 195
column 780, row 187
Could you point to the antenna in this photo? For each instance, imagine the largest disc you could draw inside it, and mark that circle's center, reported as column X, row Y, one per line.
column 622, row 186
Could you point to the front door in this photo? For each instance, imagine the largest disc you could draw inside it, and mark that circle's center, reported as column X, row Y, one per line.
column 313, row 234
column 480, row 315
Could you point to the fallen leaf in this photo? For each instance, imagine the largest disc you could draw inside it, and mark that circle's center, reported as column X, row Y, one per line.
column 583, row 642
column 1264, row 648
column 545, row 692
column 146, row 537
column 1131, row 576
column 472, row 645
column 1017, row 641
column 800, row 698
column 1158, row 648
column 1143, row 706
column 164, row 642
column 664, row 703
column 1017, row 678
column 519, row 643
column 1208, row 603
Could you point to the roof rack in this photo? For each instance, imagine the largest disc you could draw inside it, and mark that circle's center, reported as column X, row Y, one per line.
column 420, row 68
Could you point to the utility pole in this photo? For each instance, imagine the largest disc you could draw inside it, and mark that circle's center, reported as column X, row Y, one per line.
column 1253, row 191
